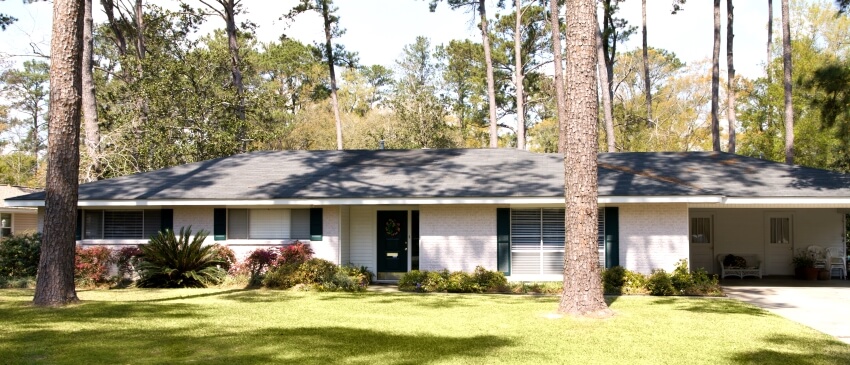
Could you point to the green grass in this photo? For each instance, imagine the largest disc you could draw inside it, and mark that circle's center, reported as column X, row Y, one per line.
column 218, row 326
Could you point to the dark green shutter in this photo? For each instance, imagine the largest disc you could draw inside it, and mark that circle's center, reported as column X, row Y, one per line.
column 79, row 234
column 166, row 219
column 316, row 224
column 503, row 240
column 612, row 236
column 220, row 224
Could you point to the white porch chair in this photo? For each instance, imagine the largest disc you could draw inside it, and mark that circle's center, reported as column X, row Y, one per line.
column 836, row 259
column 818, row 254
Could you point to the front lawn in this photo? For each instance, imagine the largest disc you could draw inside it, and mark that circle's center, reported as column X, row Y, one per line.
column 260, row 326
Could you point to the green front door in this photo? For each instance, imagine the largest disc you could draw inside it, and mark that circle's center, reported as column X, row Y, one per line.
column 392, row 244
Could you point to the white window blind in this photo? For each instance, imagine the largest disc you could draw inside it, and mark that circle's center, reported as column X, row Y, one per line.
column 537, row 241
column 600, row 236
column 269, row 223
column 237, row 223
column 300, row 224
column 123, row 224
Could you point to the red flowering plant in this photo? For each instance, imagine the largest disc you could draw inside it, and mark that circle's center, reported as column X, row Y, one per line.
column 295, row 253
column 91, row 265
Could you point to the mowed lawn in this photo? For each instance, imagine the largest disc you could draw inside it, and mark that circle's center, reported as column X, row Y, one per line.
column 218, row 326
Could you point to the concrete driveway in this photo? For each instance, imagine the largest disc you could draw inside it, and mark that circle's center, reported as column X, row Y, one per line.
column 822, row 305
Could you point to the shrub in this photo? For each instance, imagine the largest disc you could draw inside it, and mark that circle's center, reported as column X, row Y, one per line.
column 412, row 281
column 225, row 255
column 19, row 255
column 314, row 271
column 613, row 280
column 490, row 281
column 360, row 274
column 171, row 261
column 659, row 283
column 127, row 261
column 634, row 283
column 91, row 265
column 549, row 287
column 257, row 264
column 681, row 277
column 481, row 280
column 296, row 252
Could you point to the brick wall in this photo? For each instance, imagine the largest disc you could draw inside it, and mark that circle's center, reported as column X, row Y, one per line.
column 653, row 236
column 457, row 237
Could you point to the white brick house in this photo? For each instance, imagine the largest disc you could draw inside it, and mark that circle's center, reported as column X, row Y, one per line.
column 395, row 211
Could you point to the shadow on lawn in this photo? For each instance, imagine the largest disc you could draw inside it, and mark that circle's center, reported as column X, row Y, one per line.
column 789, row 349
column 708, row 305
column 299, row 345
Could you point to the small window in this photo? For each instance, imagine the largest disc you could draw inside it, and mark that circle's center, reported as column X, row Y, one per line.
column 5, row 224
column 780, row 230
column 700, row 229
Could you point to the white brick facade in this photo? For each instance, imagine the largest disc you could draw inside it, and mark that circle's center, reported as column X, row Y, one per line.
column 653, row 236
column 457, row 237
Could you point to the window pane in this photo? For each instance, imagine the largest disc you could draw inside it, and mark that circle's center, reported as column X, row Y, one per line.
column 780, row 230
column 700, row 230
column 123, row 224
column 93, row 223
column 152, row 223
column 553, row 228
column 6, row 220
column 600, row 236
column 301, row 224
column 237, row 223
column 525, row 228
column 269, row 223
column 525, row 262
column 553, row 263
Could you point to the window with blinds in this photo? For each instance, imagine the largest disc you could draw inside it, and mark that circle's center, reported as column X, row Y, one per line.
column 700, row 229
column 780, row 230
column 268, row 224
column 537, row 241
column 121, row 224
column 600, row 236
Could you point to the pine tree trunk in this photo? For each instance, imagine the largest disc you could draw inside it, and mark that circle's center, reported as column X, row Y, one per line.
column 715, row 81
column 491, row 83
column 606, row 95
column 769, row 57
column 518, row 79
column 235, row 63
column 560, row 98
column 647, row 86
column 730, row 75
column 786, row 63
column 55, row 283
column 582, row 287
column 89, row 106
column 141, row 102
column 330, row 55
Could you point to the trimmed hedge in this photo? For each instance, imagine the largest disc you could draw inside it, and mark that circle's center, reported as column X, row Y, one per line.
column 479, row 281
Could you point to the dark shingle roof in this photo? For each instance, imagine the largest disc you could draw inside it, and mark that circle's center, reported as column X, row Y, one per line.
column 459, row 173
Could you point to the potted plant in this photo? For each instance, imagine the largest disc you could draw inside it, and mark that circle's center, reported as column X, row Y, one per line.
column 804, row 266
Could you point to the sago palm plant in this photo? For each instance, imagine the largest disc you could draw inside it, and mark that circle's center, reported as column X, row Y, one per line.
column 179, row 261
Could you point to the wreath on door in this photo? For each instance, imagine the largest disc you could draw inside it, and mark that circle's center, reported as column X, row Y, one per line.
column 392, row 228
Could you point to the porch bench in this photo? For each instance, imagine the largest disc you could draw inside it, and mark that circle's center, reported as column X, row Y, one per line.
column 752, row 267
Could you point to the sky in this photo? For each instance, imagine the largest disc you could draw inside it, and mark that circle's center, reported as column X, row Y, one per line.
column 379, row 29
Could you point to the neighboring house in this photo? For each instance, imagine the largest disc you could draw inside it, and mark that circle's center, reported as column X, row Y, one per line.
column 397, row 210
column 15, row 220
